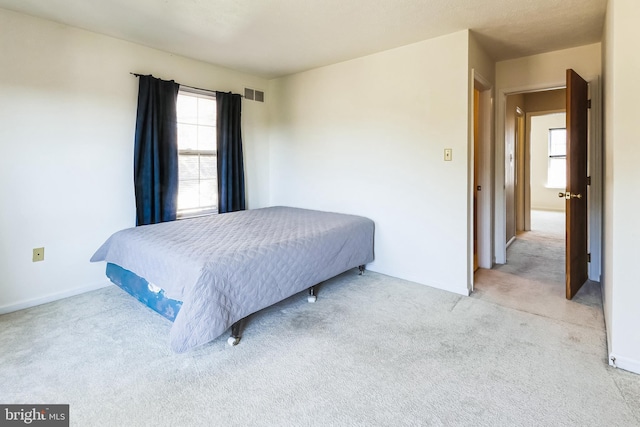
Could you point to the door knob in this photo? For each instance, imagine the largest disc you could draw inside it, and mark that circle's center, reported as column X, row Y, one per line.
column 568, row 195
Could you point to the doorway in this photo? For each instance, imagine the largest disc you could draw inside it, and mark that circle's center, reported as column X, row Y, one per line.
column 594, row 170
column 535, row 161
column 537, row 284
column 481, row 179
column 532, row 165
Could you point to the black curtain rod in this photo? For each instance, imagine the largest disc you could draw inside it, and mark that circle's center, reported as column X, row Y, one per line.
column 190, row 87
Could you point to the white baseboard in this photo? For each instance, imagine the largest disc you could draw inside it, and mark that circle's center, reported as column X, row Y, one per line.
column 627, row 364
column 52, row 297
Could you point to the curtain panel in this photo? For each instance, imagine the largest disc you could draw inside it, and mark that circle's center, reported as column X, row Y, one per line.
column 231, row 195
column 156, row 151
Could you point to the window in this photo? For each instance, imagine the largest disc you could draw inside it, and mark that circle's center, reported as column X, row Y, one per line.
column 197, row 162
column 557, row 166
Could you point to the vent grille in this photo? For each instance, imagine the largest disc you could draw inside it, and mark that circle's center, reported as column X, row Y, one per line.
column 253, row 94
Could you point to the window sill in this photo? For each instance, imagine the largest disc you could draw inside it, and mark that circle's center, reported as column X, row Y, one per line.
column 555, row 187
column 196, row 213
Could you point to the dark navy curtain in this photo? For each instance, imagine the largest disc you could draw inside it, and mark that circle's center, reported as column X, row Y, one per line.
column 229, row 147
column 156, row 151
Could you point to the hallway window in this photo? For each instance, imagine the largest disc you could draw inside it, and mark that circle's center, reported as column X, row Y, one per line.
column 557, row 166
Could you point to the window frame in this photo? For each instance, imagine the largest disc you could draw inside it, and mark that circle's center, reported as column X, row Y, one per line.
column 200, row 210
column 551, row 156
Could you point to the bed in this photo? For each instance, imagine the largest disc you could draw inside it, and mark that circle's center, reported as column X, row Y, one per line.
column 206, row 274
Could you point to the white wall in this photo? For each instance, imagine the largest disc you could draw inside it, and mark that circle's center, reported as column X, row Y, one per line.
column 622, row 175
column 543, row 197
column 480, row 61
column 367, row 137
column 67, row 111
column 547, row 70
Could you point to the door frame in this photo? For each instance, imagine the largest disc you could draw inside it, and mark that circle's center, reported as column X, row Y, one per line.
column 485, row 202
column 594, row 168
column 522, row 179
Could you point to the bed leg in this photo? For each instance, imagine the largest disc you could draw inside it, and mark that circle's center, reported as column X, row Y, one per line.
column 361, row 268
column 236, row 333
column 312, row 294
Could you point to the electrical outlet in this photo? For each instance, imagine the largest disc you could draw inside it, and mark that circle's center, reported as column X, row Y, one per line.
column 448, row 153
column 38, row 254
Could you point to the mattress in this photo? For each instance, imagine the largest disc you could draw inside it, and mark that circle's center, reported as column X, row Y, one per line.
column 226, row 267
column 147, row 293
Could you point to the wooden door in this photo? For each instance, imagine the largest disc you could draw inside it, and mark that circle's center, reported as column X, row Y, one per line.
column 576, row 194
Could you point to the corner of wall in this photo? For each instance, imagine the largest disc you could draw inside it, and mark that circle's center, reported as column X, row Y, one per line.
column 606, row 277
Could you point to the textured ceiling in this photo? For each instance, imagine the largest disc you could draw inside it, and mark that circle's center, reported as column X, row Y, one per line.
column 272, row 38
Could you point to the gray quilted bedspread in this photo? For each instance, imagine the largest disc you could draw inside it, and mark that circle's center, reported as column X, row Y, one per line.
column 225, row 267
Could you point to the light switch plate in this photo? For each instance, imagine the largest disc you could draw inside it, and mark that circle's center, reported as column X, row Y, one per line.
column 448, row 154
